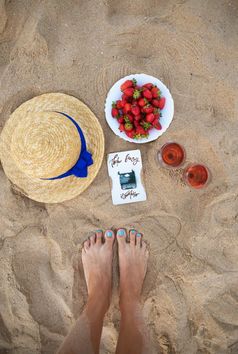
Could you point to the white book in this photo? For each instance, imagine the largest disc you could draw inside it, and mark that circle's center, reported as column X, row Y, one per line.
column 125, row 171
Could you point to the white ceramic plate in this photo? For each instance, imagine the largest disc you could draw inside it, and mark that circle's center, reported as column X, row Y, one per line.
column 115, row 93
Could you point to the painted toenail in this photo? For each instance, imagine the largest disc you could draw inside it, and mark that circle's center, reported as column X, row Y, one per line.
column 109, row 233
column 138, row 235
column 133, row 231
column 121, row 233
column 98, row 231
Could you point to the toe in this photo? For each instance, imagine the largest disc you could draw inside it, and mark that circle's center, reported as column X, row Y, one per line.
column 121, row 237
column 99, row 236
column 144, row 246
column 138, row 239
column 132, row 237
column 109, row 237
column 92, row 239
column 86, row 245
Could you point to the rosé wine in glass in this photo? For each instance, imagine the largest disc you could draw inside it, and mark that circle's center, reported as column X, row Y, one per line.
column 196, row 175
column 171, row 155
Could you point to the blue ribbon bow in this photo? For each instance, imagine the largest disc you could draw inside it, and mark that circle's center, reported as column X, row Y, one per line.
column 80, row 169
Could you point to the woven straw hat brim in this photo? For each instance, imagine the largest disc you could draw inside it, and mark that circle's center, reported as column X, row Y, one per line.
column 53, row 191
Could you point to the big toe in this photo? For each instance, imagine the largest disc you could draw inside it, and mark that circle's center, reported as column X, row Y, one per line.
column 109, row 237
column 121, row 237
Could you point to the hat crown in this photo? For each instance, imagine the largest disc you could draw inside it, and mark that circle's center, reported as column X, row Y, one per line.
column 45, row 144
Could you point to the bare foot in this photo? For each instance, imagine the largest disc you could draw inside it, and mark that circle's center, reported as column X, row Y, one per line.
column 133, row 259
column 97, row 264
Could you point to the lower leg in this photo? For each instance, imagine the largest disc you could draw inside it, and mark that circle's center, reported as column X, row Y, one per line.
column 97, row 263
column 133, row 336
column 85, row 336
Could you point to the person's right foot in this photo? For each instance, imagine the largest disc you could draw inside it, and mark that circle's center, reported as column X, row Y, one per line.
column 97, row 264
column 133, row 259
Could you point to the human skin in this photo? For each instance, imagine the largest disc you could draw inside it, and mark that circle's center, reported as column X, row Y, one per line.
column 97, row 254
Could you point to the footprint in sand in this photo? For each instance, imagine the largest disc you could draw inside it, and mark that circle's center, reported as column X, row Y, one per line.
column 167, row 316
column 43, row 279
column 220, row 235
column 225, row 210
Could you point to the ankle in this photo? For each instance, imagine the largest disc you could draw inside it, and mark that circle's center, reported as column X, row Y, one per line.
column 97, row 305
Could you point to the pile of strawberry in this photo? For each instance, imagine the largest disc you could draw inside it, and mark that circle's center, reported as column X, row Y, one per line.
column 139, row 109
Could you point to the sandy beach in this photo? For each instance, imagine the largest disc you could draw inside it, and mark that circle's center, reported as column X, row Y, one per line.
column 81, row 48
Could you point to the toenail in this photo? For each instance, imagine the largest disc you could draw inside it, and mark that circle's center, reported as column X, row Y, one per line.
column 109, row 234
column 138, row 235
column 121, row 232
column 98, row 231
column 133, row 231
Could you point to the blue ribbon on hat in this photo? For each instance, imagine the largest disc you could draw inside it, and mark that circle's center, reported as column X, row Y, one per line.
column 80, row 169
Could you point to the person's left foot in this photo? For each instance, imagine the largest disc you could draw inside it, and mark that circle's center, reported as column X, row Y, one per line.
column 97, row 264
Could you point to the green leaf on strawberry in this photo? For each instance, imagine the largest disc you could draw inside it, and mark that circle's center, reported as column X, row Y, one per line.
column 141, row 136
column 146, row 125
column 126, row 119
column 136, row 94
column 134, row 81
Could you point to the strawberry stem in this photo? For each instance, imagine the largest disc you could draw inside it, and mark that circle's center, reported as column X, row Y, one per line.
column 136, row 94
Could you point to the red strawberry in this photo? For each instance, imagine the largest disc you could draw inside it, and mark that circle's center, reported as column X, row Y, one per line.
column 119, row 104
column 142, row 102
column 147, row 94
column 150, row 117
column 148, row 109
column 161, row 102
column 136, row 123
column 135, row 110
column 115, row 112
column 155, row 102
column 128, row 127
column 141, row 131
column 123, row 103
column 127, row 108
column 157, row 125
column 146, row 125
column 128, row 83
column 130, row 134
column 120, row 120
column 156, row 115
column 128, row 118
column 129, row 91
column 155, row 92
column 149, row 85
column 121, row 127
column 138, row 117
column 126, row 98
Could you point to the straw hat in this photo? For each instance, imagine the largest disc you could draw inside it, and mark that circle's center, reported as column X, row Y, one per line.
column 43, row 141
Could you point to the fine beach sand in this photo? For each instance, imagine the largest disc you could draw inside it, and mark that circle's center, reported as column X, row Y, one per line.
column 82, row 48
